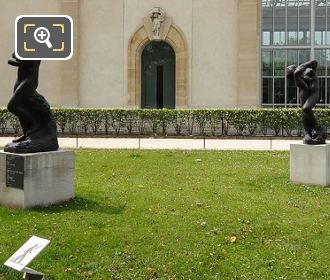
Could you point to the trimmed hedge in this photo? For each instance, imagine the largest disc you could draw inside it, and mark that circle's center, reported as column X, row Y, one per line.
column 166, row 122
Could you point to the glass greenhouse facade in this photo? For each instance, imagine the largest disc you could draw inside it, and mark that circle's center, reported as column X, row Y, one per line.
column 292, row 32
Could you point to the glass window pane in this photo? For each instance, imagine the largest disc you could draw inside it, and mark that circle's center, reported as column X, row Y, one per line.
column 265, row 38
column 279, row 23
column 267, row 23
column 279, row 31
column 328, row 23
column 279, row 90
column 292, row 3
column 279, row 62
column 292, row 28
column 322, row 90
column 320, row 8
column 278, row 3
column 292, row 38
column 279, row 10
column 267, row 90
column 319, row 38
column 328, row 91
column 267, row 30
column 304, row 8
column 266, row 3
column 304, row 30
column 292, row 57
column 321, row 57
column 304, row 56
column 267, row 63
column 291, row 92
column 320, row 30
column 328, row 61
column 279, row 38
column 292, row 9
column 267, row 11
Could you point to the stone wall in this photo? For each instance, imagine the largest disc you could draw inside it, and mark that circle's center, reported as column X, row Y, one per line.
column 248, row 54
column 221, row 55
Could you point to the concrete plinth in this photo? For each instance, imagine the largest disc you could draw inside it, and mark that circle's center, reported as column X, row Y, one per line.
column 39, row 179
column 310, row 164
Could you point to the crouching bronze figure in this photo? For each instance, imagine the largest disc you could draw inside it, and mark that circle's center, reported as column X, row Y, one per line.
column 33, row 111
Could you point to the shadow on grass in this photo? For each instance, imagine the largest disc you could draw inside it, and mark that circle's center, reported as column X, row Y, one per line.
column 82, row 204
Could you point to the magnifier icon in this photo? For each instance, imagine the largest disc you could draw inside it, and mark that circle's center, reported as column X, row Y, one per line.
column 42, row 35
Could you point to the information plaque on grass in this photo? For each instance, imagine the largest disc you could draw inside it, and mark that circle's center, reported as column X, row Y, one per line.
column 15, row 171
column 24, row 255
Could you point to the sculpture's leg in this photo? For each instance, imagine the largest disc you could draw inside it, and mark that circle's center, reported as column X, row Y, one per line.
column 308, row 121
column 40, row 110
column 20, row 106
column 25, row 118
column 41, row 134
column 315, row 134
column 319, row 133
column 25, row 127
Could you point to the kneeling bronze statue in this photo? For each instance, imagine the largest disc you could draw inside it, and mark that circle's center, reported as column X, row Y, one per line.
column 306, row 80
column 33, row 111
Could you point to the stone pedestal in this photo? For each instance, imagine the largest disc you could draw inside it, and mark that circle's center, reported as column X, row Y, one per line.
column 39, row 179
column 310, row 164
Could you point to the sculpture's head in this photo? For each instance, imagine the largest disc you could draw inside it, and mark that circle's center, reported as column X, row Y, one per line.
column 14, row 61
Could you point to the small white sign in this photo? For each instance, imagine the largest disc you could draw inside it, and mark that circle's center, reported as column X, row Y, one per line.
column 27, row 253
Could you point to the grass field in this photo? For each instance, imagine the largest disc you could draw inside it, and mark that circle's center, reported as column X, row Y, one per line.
column 179, row 215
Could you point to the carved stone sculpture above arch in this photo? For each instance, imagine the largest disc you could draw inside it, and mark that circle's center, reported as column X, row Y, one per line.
column 173, row 36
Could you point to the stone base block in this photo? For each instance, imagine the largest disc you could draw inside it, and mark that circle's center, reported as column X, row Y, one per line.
column 39, row 179
column 310, row 164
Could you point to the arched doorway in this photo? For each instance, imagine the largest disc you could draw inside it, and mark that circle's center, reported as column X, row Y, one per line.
column 158, row 76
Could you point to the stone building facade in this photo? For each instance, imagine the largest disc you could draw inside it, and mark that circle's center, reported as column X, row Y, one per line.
column 211, row 46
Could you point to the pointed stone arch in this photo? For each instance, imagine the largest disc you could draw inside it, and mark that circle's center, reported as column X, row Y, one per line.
column 137, row 42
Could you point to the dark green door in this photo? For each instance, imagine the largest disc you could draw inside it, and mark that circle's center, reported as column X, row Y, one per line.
column 158, row 76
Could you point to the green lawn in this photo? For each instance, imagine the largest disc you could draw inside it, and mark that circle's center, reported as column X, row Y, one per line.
column 179, row 215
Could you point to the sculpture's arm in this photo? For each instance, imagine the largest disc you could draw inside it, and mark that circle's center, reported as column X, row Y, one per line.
column 311, row 64
column 298, row 77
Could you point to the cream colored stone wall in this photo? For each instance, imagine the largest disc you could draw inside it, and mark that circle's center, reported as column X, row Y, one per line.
column 248, row 54
column 102, row 53
column 50, row 71
column 214, row 54
column 70, row 69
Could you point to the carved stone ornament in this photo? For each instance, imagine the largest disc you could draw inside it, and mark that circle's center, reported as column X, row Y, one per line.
column 157, row 16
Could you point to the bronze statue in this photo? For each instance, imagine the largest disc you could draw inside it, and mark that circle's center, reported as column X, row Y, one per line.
column 306, row 80
column 33, row 111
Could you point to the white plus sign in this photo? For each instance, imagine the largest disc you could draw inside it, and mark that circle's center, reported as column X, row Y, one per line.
column 42, row 34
